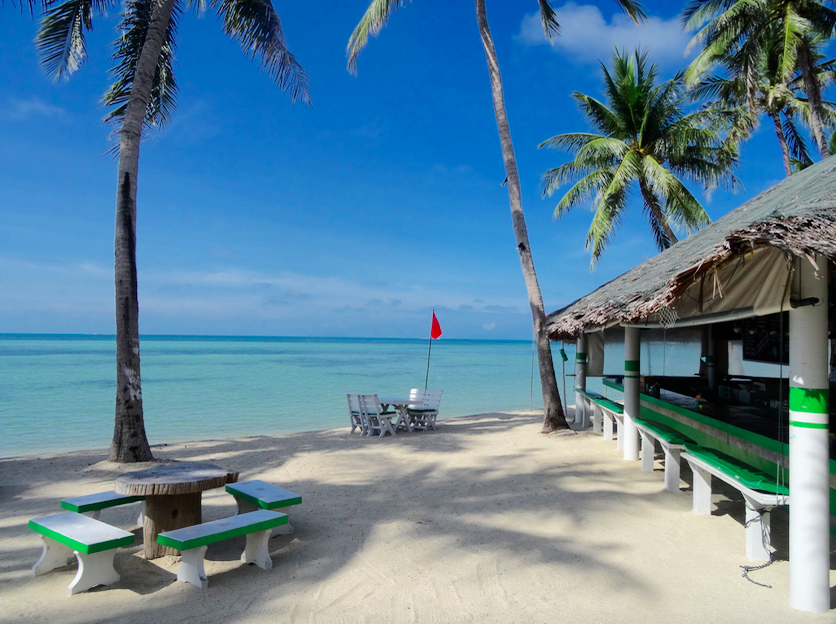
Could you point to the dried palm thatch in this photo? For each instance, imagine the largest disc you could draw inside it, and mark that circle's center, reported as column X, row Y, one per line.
column 796, row 217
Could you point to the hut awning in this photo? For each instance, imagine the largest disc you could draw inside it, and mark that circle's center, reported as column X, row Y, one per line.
column 737, row 263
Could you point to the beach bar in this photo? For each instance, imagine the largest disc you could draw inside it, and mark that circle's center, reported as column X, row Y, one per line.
column 749, row 298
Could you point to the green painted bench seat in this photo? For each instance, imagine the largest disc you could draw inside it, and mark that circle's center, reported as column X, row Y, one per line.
column 255, row 494
column 601, row 400
column 672, row 442
column 746, row 475
column 92, row 504
column 193, row 541
column 760, row 492
column 92, row 542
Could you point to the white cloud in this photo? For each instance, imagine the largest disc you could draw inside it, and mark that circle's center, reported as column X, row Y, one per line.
column 586, row 36
column 23, row 110
column 489, row 326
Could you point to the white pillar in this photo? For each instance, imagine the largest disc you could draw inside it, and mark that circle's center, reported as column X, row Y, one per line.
column 632, row 400
column 809, row 458
column 581, row 358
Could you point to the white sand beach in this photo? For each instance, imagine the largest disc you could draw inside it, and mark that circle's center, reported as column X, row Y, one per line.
column 485, row 520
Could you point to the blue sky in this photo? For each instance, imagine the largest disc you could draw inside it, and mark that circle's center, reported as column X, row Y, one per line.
column 354, row 217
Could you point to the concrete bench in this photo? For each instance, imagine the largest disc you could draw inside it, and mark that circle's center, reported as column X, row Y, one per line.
column 604, row 407
column 92, row 542
column 193, row 541
column 252, row 495
column 672, row 443
column 760, row 491
column 92, row 504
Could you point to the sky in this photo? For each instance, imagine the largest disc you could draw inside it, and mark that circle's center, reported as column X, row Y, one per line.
column 356, row 216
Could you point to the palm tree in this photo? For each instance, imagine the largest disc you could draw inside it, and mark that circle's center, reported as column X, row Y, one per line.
column 374, row 19
column 765, row 91
column 740, row 28
column 143, row 94
column 645, row 139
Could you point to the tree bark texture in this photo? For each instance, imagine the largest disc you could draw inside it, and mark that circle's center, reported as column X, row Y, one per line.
column 167, row 513
column 782, row 140
column 130, row 443
column 654, row 207
column 813, row 90
column 553, row 415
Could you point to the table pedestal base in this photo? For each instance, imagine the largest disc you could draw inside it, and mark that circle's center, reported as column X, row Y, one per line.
column 166, row 513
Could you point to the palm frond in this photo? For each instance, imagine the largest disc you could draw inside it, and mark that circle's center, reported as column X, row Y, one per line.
column 373, row 20
column 585, row 189
column 257, row 28
column 569, row 142
column 549, row 19
column 60, row 41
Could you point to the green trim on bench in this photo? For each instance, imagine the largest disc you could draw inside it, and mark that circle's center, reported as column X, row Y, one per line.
column 78, row 504
column 87, row 549
column 292, row 499
column 668, row 434
column 214, row 531
column 749, row 476
column 602, row 401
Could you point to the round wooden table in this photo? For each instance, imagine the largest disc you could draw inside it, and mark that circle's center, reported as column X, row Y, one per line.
column 172, row 497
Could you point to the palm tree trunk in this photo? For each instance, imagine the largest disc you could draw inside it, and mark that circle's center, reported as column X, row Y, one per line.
column 553, row 416
column 813, row 89
column 782, row 140
column 654, row 207
column 130, row 443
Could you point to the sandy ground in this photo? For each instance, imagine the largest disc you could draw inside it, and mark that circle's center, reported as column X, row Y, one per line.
column 485, row 520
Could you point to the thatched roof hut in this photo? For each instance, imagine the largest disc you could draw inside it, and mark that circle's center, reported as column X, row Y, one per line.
column 699, row 278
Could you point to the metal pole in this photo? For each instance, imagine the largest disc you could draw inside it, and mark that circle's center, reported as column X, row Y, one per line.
column 809, row 457
column 581, row 358
column 426, row 379
column 632, row 400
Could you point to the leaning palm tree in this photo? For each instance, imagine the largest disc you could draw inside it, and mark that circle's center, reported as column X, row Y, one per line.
column 764, row 91
column 374, row 19
column 643, row 138
column 144, row 94
column 739, row 28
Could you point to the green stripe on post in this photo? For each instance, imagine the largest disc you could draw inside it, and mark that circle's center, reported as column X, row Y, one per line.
column 580, row 357
column 810, row 400
column 808, row 425
column 631, row 366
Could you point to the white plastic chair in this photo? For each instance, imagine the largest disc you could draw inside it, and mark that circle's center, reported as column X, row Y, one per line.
column 424, row 417
column 355, row 414
column 379, row 421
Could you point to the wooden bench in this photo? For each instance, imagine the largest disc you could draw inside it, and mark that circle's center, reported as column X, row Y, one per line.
column 604, row 407
column 92, row 542
column 760, row 491
column 252, row 495
column 672, row 443
column 92, row 504
column 192, row 542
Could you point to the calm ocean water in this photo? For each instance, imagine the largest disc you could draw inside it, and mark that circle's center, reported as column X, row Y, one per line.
column 57, row 392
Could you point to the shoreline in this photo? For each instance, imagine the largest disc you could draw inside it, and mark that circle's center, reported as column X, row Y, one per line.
column 484, row 520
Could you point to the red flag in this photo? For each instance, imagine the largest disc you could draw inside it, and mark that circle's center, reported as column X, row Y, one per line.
column 435, row 332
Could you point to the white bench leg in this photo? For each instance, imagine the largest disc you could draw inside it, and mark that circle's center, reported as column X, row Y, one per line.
column 95, row 569
column 757, row 532
column 702, row 491
column 608, row 425
column 191, row 568
column 256, row 549
column 140, row 519
column 54, row 555
column 648, row 451
column 619, row 432
column 283, row 529
column 598, row 415
column 93, row 514
column 672, row 464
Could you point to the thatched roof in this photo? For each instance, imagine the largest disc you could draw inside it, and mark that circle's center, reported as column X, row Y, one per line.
column 796, row 217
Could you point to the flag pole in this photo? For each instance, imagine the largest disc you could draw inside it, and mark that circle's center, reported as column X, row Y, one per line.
column 429, row 351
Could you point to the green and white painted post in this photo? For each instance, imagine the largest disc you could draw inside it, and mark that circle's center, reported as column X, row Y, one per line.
column 581, row 359
column 632, row 400
column 809, row 456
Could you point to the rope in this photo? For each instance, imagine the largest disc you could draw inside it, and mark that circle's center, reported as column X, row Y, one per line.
column 747, row 568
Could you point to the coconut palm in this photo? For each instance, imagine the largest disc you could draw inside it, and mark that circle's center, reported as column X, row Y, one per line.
column 376, row 16
column 143, row 94
column 764, row 91
column 643, row 139
column 740, row 28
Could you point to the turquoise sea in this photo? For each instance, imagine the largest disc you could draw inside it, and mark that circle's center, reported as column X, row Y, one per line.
column 57, row 391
